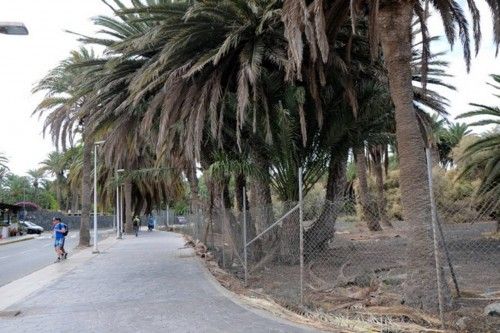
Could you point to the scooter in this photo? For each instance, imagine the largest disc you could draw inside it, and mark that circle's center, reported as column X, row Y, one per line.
column 150, row 226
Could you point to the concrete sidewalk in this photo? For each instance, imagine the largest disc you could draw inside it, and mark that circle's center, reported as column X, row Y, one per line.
column 10, row 240
column 144, row 284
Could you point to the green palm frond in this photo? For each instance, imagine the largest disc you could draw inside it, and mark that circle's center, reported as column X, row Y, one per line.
column 484, row 154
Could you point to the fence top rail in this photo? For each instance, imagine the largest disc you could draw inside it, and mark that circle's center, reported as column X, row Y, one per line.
column 274, row 224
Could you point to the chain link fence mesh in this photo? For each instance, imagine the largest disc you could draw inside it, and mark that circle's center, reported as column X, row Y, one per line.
column 346, row 264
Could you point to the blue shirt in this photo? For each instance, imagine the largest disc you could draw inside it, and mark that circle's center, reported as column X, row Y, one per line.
column 58, row 234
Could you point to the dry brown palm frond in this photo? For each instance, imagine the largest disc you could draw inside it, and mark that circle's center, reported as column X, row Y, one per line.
column 352, row 9
column 215, row 98
column 293, row 18
column 320, row 28
column 243, row 95
column 316, row 95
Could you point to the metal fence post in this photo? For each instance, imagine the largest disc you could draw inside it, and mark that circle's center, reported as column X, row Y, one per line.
column 167, row 224
column 200, row 228
column 301, row 203
column 245, row 235
column 119, row 206
column 118, row 226
column 223, row 228
column 437, row 257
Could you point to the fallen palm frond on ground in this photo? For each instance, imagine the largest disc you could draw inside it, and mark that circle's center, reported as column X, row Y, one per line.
column 367, row 323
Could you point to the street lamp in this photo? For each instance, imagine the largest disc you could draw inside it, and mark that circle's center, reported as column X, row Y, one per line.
column 13, row 28
column 118, row 207
column 96, row 144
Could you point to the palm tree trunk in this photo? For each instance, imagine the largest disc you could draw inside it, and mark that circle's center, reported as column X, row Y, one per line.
column 69, row 200
column 86, row 192
column 241, row 185
column 260, row 195
column 290, row 236
column 365, row 204
column 59, row 192
column 379, row 178
column 74, row 206
column 261, row 205
column 128, row 206
column 323, row 229
column 421, row 288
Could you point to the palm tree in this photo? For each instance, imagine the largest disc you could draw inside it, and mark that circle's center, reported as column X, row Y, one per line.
column 374, row 125
column 74, row 160
column 199, row 68
column 450, row 137
column 483, row 155
column 55, row 164
column 65, row 95
column 37, row 178
column 435, row 129
column 16, row 187
column 184, row 64
column 379, row 156
column 390, row 23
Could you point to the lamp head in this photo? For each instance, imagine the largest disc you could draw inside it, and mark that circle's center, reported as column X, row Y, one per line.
column 13, row 28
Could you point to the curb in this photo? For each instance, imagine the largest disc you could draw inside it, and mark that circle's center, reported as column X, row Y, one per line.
column 17, row 240
column 240, row 301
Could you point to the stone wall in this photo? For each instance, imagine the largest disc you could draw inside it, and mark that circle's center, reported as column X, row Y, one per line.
column 44, row 219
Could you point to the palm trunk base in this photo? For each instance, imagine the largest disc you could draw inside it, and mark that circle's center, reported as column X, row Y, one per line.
column 394, row 23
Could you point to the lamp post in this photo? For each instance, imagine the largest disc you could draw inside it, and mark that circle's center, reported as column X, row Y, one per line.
column 13, row 28
column 96, row 144
column 118, row 207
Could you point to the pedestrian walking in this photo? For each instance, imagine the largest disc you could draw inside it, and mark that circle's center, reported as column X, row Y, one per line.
column 60, row 232
column 151, row 222
column 137, row 224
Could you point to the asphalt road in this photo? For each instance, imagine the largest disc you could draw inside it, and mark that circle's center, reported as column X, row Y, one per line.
column 23, row 258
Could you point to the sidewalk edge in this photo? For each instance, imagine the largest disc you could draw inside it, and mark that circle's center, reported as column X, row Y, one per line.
column 17, row 240
column 241, row 301
column 20, row 289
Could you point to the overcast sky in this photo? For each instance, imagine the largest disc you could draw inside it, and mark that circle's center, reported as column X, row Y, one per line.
column 26, row 59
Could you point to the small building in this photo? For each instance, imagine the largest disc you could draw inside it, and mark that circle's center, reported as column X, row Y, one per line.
column 8, row 215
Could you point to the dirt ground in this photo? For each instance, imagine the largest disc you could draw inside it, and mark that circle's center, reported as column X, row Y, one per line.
column 356, row 284
column 362, row 273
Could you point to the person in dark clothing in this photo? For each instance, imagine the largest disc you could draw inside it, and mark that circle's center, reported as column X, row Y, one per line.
column 137, row 224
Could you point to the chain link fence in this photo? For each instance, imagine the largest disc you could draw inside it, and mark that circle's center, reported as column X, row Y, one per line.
column 326, row 256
